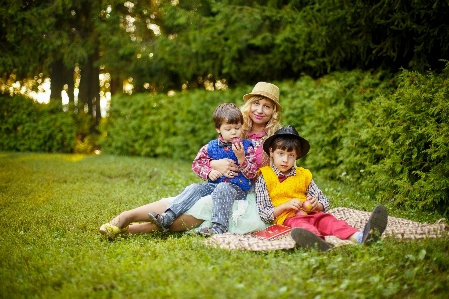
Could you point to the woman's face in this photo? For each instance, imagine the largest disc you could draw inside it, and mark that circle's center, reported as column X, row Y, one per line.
column 261, row 111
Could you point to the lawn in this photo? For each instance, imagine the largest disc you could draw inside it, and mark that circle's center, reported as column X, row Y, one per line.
column 52, row 206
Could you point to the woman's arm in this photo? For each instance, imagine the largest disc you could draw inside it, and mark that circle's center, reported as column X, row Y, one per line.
column 224, row 166
column 200, row 164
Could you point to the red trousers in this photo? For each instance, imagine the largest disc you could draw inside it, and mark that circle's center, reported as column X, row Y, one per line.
column 322, row 224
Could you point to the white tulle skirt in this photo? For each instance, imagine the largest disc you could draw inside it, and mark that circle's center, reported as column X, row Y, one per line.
column 244, row 218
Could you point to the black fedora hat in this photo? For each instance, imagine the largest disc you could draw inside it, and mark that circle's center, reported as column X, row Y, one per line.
column 287, row 131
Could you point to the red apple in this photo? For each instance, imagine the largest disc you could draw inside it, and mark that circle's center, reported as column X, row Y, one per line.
column 236, row 140
column 307, row 206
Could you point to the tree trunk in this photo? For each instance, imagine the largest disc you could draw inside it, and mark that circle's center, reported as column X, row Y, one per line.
column 57, row 80
column 116, row 85
column 89, row 93
column 69, row 80
column 61, row 75
column 83, row 95
column 95, row 95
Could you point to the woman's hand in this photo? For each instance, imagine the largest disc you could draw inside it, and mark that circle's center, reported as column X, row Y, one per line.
column 225, row 166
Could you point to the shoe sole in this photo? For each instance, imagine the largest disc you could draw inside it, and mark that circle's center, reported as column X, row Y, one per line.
column 155, row 222
column 376, row 225
column 307, row 239
column 106, row 233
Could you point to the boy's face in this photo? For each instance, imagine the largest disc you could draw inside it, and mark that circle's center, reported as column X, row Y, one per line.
column 229, row 131
column 283, row 160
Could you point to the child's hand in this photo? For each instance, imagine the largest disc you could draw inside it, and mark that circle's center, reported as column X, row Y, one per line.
column 293, row 204
column 316, row 206
column 214, row 175
column 239, row 151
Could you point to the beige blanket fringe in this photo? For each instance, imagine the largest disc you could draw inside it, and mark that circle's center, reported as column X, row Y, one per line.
column 399, row 228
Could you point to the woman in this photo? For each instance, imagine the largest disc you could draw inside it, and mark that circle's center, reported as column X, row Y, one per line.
column 261, row 119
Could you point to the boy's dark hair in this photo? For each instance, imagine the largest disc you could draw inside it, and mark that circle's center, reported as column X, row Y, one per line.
column 287, row 143
column 227, row 113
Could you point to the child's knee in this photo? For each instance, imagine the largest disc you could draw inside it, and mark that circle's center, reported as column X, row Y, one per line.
column 192, row 186
column 223, row 191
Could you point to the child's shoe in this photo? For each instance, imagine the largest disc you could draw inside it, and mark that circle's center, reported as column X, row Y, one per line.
column 375, row 226
column 111, row 231
column 209, row 231
column 307, row 239
column 159, row 221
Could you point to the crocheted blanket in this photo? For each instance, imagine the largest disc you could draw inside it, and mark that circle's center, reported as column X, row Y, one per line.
column 399, row 228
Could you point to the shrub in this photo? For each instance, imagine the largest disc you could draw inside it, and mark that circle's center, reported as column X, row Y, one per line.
column 321, row 110
column 29, row 126
column 403, row 142
column 160, row 125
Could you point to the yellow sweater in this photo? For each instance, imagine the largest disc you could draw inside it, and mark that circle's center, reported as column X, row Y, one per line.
column 292, row 187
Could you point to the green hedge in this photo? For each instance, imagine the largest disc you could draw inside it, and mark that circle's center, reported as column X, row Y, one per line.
column 387, row 136
column 401, row 140
column 29, row 126
column 160, row 125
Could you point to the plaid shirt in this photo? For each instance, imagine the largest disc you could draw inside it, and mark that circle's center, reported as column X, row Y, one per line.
column 201, row 163
column 264, row 204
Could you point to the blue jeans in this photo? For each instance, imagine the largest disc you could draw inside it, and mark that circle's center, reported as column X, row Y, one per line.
column 223, row 196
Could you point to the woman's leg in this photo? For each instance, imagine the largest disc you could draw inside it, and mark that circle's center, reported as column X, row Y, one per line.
column 182, row 223
column 185, row 222
column 138, row 214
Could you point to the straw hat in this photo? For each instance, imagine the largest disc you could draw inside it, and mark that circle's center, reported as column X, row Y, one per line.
column 265, row 89
column 287, row 131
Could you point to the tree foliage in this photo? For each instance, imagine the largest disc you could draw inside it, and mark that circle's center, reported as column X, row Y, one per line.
column 57, row 37
column 164, row 45
column 250, row 41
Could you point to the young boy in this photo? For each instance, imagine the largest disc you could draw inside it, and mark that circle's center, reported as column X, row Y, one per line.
column 282, row 188
column 228, row 122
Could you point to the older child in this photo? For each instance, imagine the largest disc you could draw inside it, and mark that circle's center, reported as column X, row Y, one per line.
column 228, row 121
column 282, row 188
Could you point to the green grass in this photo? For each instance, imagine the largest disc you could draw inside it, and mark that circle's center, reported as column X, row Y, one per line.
column 52, row 205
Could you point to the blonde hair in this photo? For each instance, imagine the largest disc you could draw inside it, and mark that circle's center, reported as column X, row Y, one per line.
column 273, row 124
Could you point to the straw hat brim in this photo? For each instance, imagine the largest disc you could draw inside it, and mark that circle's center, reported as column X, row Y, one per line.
column 246, row 97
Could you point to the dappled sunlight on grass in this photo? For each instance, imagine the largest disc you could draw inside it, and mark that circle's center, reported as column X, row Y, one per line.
column 74, row 157
column 67, row 157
